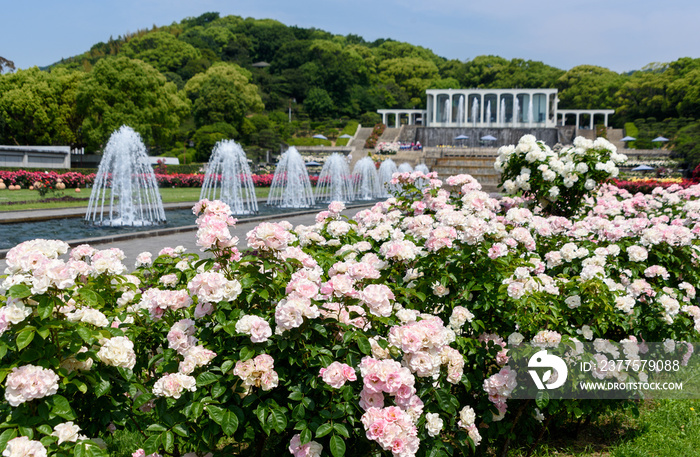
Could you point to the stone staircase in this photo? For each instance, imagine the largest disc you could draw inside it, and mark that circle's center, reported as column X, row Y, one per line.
column 481, row 168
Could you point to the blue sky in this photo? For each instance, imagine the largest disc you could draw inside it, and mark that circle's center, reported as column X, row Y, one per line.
column 621, row 35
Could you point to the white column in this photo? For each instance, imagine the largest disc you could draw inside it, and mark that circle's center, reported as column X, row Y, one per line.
column 384, row 118
column 591, row 123
column 606, row 120
column 398, row 119
column 577, row 119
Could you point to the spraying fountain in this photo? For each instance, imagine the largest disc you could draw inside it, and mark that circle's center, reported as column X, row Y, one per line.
column 386, row 171
column 488, row 112
column 423, row 168
column 125, row 191
column 530, row 113
column 405, row 168
column 460, row 111
column 229, row 179
column 291, row 187
column 516, row 110
column 502, row 113
column 475, row 111
column 446, row 114
column 367, row 185
column 335, row 180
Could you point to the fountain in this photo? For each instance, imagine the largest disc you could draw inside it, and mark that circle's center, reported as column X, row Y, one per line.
column 488, row 112
column 125, row 191
column 446, row 114
column 423, row 168
column 291, row 187
column 502, row 113
column 460, row 111
column 405, row 168
column 228, row 178
column 367, row 185
column 530, row 113
column 386, row 171
column 516, row 111
column 475, row 111
column 335, row 180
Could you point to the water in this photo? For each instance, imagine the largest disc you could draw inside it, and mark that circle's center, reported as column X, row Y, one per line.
column 446, row 115
column 502, row 112
column 125, row 192
column 530, row 112
column 488, row 112
column 475, row 111
column 229, row 178
column 335, row 180
column 422, row 168
column 460, row 111
column 516, row 110
column 291, row 187
column 386, row 170
column 367, row 185
column 77, row 229
column 405, row 168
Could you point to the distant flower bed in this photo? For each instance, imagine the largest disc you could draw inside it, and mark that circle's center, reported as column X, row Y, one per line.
column 73, row 179
column 647, row 186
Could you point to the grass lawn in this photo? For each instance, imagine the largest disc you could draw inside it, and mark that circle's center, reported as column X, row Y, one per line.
column 664, row 428
column 32, row 200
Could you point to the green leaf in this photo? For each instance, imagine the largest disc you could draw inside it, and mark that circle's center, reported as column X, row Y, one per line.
column 168, row 440
column 44, row 332
column 246, row 353
column 341, row 429
column 363, row 345
column 278, row 420
column 445, row 401
column 89, row 297
column 229, row 424
column 296, row 395
column 207, row 378
column 337, row 446
column 142, row 399
column 102, row 388
column 45, row 307
column 152, row 444
column 216, row 413
column 25, row 337
column 324, row 430
column 93, row 450
column 61, row 407
column 226, row 366
column 306, row 436
column 6, row 436
column 542, row 399
column 181, row 430
column 85, row 334
column 156, row 428
column 19, row 291
column 45, row 429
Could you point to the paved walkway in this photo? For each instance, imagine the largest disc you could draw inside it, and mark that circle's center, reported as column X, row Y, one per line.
column 153, row 241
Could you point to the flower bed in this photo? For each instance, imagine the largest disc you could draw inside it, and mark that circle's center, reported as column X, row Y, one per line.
column 72, row 179
column 388, row 332
column 647, row 186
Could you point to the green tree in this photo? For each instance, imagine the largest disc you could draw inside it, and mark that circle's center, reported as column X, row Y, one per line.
column 413, row 74
column 121, row 91
column 206, row 137
column 319, row 104
column 38, row 107
column 162, row 50
column 588, row 86
column 223, row 94
column 6, row 64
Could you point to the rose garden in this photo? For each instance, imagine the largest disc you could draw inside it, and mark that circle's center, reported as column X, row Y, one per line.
column 385, row 334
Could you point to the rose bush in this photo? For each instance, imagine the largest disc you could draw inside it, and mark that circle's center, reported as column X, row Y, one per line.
column 386, row 333
column 558, row 181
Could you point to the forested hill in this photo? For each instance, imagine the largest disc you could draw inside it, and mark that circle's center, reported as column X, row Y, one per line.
column 204, row 77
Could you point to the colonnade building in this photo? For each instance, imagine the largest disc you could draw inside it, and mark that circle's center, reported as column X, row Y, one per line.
column 519, row 108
